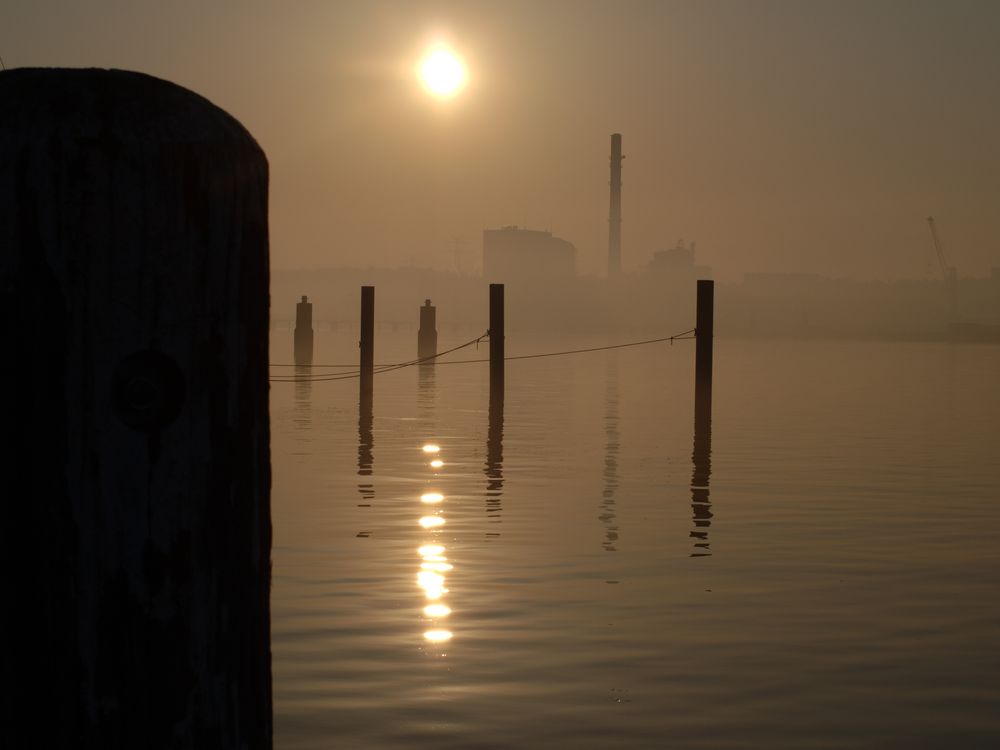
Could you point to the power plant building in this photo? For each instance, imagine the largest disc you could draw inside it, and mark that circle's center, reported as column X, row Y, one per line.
column 678, row 263
column 511, row 253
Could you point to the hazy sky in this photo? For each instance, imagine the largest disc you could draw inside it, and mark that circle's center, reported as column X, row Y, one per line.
column 793, row 135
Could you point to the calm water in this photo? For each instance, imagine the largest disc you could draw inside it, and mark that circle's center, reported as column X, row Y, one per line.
column 831, row 580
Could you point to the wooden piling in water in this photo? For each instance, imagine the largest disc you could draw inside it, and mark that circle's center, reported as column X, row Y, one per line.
column 704, row 335
column 496, row 343
column 427, row 336
column 303, row 332
column 367, row 343
column 134, row 317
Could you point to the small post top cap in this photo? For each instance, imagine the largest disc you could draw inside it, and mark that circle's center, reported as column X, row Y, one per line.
column 305, row 298
column 427, row 303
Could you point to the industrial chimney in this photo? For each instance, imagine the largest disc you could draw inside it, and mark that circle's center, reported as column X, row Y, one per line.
column 615, row 215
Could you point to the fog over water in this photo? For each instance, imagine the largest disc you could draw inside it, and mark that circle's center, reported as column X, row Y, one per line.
column 781, row 136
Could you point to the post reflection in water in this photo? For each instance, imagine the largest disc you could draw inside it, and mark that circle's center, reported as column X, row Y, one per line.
column 303, row 399
column 701, row 506
column 426, row 394
column 366, row 457
column 434, row 564
column 612, row 446
column 493, row 468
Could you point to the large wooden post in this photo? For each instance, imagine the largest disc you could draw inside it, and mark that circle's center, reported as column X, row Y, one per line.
column 134, row 321
column 496, row 343
column 367, row 345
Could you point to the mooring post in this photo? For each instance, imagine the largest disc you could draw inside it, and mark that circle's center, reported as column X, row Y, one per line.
column 304, row 332
column 134, row 318
column 427, row 335
column 496, row 342
column 704, row 334
column 701, row 508
column 367, row 343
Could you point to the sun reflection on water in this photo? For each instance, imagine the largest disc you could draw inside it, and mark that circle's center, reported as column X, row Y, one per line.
column 434, row 562
column 438, row 635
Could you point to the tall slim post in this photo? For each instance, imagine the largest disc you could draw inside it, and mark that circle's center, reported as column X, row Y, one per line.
column 496, row 343
column 427, row 335
column 701, row 456
column 704, row 333
column 304, row 332
column 367, row 344
column 615, row 210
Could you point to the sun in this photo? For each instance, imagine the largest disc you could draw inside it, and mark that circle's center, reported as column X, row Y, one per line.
column 442, row 73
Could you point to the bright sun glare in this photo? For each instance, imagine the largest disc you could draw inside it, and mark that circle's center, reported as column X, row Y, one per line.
column 442, row 73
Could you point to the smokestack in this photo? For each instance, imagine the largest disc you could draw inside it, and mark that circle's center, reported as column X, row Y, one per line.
column 615, row 215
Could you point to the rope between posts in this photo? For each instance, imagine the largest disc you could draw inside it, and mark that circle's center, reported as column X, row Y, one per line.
column 376, row 371
column 684, row 336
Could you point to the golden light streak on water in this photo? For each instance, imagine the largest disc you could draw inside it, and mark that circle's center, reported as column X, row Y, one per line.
column 437, row 610
column 430, row 578
column 440, row 567
column 432, row 584
column 438, row 636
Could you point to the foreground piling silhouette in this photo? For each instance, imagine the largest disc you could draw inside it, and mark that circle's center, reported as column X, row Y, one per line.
column 133, row 311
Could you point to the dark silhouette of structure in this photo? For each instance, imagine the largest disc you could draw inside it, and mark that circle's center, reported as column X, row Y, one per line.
column 134, row 315
column 427, row 336
column 526, row 255
column 615, row 210
column 304, row 332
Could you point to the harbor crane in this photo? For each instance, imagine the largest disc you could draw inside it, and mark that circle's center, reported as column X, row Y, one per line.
column 948, row 270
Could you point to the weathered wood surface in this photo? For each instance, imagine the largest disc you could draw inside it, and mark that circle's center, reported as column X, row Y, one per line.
column 134, row 326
